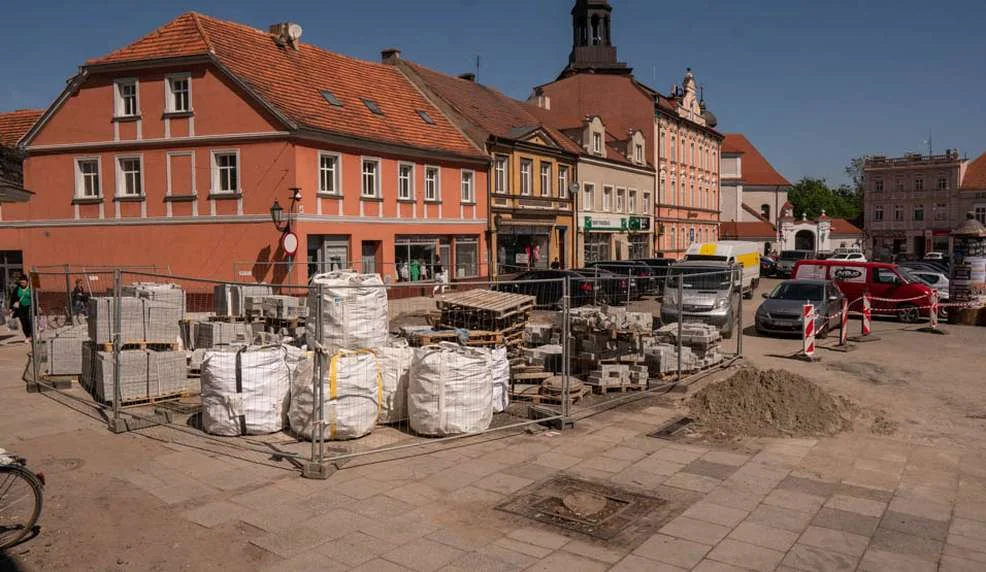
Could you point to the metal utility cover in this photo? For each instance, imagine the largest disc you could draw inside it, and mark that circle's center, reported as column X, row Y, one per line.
column 608, row 510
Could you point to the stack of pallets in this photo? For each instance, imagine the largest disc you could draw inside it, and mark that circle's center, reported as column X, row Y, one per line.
column 502, row 313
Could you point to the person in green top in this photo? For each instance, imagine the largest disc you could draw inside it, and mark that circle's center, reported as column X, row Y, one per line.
column 20, row 305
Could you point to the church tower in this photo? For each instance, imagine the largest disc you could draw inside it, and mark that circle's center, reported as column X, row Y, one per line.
column 592, row 44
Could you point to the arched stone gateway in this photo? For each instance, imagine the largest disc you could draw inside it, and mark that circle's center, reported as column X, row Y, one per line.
column 804, row 240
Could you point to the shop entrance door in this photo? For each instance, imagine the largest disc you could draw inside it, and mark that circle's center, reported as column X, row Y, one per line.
column 370, row 250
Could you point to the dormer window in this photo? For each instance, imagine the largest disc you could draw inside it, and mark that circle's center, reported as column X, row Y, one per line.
column 638, row 153
column 597, row 143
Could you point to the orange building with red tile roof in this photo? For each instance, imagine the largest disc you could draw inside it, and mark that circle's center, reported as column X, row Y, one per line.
column 170, row 151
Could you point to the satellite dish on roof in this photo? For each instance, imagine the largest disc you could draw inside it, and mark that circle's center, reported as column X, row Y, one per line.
column 294, row 32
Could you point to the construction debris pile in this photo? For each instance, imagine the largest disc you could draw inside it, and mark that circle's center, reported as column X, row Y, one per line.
column 769, row 403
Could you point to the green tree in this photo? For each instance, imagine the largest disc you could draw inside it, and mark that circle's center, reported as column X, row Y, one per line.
column 811, row 196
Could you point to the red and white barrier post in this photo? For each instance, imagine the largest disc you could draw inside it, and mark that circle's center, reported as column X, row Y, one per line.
column 934, row 309
column 867, row 314
column 808, row 331
column 844, row 324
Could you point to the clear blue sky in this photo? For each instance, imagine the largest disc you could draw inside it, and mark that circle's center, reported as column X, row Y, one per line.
column 811, row 83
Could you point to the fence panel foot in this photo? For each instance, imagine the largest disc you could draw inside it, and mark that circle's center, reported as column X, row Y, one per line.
column 320, row 471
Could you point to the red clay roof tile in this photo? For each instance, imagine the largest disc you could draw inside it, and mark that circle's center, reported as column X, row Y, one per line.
column 290, row 81
column 14, row 124
column 756, row 169
column 491, row 111
column 975, row 174
column 842, row 226
column 740, row 230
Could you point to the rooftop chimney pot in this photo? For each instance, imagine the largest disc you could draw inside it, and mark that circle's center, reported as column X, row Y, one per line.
column 389, row 55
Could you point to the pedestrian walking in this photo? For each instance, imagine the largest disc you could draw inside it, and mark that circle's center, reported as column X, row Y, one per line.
column 20, row 306
column 441, row 277
column 80, row 300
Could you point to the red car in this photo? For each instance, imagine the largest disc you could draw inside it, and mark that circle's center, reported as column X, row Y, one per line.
column 890, row 291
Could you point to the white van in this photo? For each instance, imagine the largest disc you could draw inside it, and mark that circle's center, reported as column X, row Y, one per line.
column 746, row 254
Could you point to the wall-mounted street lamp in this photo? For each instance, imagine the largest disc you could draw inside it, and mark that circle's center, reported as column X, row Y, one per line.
column 282, row 221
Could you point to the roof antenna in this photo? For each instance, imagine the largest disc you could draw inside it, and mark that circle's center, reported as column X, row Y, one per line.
column 477, row 68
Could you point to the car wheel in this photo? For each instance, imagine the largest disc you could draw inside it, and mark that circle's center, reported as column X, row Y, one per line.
column 908, row 313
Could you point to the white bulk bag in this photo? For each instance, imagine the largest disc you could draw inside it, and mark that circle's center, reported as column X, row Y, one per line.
column 450, row 390
column 395, row 366
column 501, row 380
column 354, row 311
column 244, row 392
column 351, row 396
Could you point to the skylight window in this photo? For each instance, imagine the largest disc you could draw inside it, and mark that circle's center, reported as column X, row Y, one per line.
column 372, row 106
column 331, row 98
column 426, row 118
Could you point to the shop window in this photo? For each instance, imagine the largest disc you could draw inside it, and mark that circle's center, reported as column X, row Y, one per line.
column 415, row 258
column 466, row 258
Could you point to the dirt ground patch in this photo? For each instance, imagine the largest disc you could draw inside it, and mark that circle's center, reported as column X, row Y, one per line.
column 769, row 403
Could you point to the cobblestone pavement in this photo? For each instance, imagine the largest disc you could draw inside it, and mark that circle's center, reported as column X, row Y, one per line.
column 149, row 500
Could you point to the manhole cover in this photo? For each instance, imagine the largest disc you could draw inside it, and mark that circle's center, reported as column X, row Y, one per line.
column 590, row 508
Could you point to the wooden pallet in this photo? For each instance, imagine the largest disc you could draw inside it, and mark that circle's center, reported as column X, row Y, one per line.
column 140, row 345
column 226, row 319
column 546, row 398
column 621, row 388
column 497, row 305
column 150, row 400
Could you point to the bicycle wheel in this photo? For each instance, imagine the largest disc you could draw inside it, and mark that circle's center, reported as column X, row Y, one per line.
column 20, row 504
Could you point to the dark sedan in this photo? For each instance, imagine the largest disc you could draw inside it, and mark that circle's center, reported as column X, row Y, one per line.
column 780, row 312
column 644, row 274
column 587, row 287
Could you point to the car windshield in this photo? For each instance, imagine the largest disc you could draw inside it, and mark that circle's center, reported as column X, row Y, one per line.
column 698, row 278
column 793, row 255
column 797, row 291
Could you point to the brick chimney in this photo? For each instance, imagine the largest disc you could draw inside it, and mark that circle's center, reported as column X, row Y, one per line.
column 389, row 55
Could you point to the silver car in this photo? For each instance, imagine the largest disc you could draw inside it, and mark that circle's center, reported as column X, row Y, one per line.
column 780, row 312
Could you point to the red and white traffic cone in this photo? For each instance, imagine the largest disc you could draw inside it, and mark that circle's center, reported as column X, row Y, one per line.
column 808, row 331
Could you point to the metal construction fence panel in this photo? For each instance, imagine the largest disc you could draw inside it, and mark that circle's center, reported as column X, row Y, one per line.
column 349, row 364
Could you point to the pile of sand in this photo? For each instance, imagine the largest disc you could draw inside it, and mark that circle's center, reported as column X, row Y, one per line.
column 771, row 403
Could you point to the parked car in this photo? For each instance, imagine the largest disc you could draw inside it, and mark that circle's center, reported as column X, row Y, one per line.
column 586, row 287
column 934, row 256
column 853, row 256
column 781, row 311
column 936, row 280
column 926, row 265
column 768, row 266
column 709, row 294
column 891, row 291
column 642, row 272
column 609, row 287
column 659, row 266
column 787, row 259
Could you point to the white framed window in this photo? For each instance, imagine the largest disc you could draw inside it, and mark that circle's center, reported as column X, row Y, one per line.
column 468, row 186
column 674, row 193
column 878, row 185
column 674, row 150
column 607, row 199
column 942, row 183
column 632, row 201
column 545, row 179
column 370, row 187
column 898, row 212
column 501, row 173
column 638, row 153
column 588, row 196
column 562, row 182
column 179, row 93
column 526, row 180
column 660, row 190
column 329, row 174
column 597, row 143
column 87, row 178
column 878, row 213
column 126, row 98
column 919, row 184
column 432, row 183
column 645, row 204
column 980, row 212
column 691, row 160
column 225, row 171
column 621, row 198
column 129, row 178
column 919, row 212
column 405, row 181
